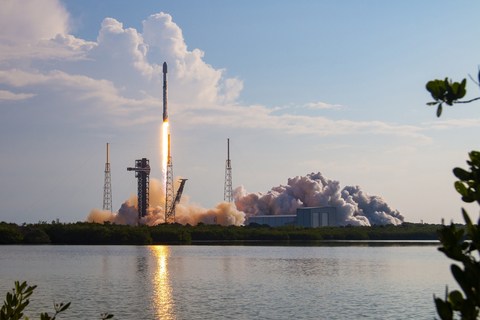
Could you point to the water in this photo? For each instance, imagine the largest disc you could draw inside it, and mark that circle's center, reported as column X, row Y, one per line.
column 336, row 281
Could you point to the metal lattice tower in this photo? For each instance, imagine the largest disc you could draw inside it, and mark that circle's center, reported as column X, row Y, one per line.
column 142, row 173
column 227, row 192
column 107, row 186
column 169, row 191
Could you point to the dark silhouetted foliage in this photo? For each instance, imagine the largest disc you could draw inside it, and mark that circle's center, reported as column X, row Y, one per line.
column 85, row 233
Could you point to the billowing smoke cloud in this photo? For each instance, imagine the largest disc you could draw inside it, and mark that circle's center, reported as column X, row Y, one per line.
column 185, row 212
column 354, row 206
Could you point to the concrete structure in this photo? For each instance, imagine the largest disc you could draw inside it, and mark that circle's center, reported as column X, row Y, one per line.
column 317, row 217
column 306, row 217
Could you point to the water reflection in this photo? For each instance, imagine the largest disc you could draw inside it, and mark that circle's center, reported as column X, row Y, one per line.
column 163, row 301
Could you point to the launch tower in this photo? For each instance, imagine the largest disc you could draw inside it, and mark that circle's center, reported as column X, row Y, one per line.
column 169, row 192
column 142, row 173
column 227, row 192
column 107, row 186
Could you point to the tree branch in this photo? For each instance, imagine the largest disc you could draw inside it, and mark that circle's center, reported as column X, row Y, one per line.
column 468, row 100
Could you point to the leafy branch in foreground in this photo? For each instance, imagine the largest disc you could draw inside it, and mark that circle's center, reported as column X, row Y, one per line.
column 446, row 91
column 17, row 301
column 463, row 245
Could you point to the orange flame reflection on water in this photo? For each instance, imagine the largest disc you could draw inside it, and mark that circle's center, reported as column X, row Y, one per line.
column 163, row 300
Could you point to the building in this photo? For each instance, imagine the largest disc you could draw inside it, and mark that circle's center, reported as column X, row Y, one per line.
column 317, row 217
column 306, row 217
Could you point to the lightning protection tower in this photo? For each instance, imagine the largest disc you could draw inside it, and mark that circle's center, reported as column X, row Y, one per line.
column 169, row 192
column 227, row 192
column 107, row 186
column 142, row 173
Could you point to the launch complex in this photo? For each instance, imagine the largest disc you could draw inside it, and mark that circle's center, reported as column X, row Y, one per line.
column 142, row 173
column 142, row 169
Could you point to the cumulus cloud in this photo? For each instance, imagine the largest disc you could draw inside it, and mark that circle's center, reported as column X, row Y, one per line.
column 31, row 20
column 353, row 205
column 119, row 76
column 31, row 29
column 7, row 95
column 86, row 95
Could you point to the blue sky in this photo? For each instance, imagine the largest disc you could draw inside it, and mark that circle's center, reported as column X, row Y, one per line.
column 336, row 87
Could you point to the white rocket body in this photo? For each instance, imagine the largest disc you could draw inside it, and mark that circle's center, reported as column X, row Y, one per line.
column 165, row 97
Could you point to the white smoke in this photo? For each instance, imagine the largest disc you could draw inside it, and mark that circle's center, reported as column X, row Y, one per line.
column 353, row 205
column 185, row 212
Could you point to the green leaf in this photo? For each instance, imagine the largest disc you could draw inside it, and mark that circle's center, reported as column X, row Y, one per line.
column 462, row 280
column 437, row 89
column 65, row 307
column 444, row 309
column 455, row 87
column 462, row 174
column 439, row 110
column 462, row 91
column 466, row 217
column 30, row 289
column 468, row 199
column 110, row 316
column 460, row 187
column 475, row 157
column 431, row 103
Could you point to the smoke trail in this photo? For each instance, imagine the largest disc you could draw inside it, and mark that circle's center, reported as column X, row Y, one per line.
column 354, row 206
column 185, row 212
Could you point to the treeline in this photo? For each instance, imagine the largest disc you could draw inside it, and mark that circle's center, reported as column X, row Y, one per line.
column 85, row 233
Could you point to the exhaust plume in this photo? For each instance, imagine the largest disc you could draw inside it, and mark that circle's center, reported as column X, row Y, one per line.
column 354, row 206
column 185, row 212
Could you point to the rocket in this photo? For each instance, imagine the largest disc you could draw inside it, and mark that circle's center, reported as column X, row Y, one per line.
column 165, row 113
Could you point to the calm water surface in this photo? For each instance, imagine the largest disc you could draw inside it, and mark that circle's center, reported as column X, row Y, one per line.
column 335, row 281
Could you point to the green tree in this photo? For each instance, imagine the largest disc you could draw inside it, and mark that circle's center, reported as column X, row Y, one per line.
column 461, row 245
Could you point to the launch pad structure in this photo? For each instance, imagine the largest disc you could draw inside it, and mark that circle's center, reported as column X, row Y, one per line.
column 227, row 191
column 169, row 192
column 107, row 186
column 171, row 199
column 142, row 173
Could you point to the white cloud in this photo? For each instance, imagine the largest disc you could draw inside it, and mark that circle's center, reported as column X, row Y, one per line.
column 31, row 29
column 260, row 117
column 321, row 105
column 122, row 78
column 453, row 123
column 7, row 95
column 88, row 96
column 30, row 20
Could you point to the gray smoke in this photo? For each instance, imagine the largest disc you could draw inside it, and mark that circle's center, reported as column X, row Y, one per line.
column 354, row 206
column 224, row 213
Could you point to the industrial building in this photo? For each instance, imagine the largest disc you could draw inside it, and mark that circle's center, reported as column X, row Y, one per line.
column 306, row 217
